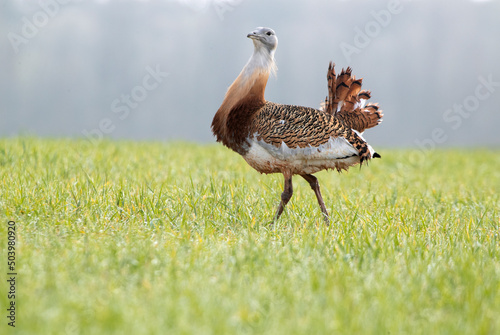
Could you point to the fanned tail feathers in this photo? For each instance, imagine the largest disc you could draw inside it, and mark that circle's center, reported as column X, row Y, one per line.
column 347, row 101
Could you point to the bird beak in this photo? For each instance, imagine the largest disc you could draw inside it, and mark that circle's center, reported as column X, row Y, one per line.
column 253, row 35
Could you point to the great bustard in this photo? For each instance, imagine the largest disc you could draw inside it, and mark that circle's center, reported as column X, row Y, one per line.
column 294, row 140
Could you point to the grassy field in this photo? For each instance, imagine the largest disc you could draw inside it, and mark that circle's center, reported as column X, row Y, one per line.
column 173, row 238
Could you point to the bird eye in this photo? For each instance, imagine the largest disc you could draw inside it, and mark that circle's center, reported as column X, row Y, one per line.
column 269, row 33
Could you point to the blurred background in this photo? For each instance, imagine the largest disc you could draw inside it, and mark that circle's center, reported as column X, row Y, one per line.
column 158, row 70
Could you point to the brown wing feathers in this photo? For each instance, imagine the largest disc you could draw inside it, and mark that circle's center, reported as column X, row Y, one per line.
column 345, row 91
column 296, row 126
column 277, row 123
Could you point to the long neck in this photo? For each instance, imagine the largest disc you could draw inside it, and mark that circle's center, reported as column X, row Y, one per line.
column 244, row 97
column 251, row 83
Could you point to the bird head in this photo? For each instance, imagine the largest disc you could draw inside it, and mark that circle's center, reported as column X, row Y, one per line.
column 263, row 37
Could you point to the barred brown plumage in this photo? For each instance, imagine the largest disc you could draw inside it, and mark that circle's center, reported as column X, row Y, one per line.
column 288, row 139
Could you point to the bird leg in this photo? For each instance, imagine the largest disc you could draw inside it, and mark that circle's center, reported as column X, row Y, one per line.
column 286, row 195
column 313, row 182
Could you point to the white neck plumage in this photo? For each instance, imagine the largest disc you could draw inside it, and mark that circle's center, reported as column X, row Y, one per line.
column 262, row 61
column 251, row 82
